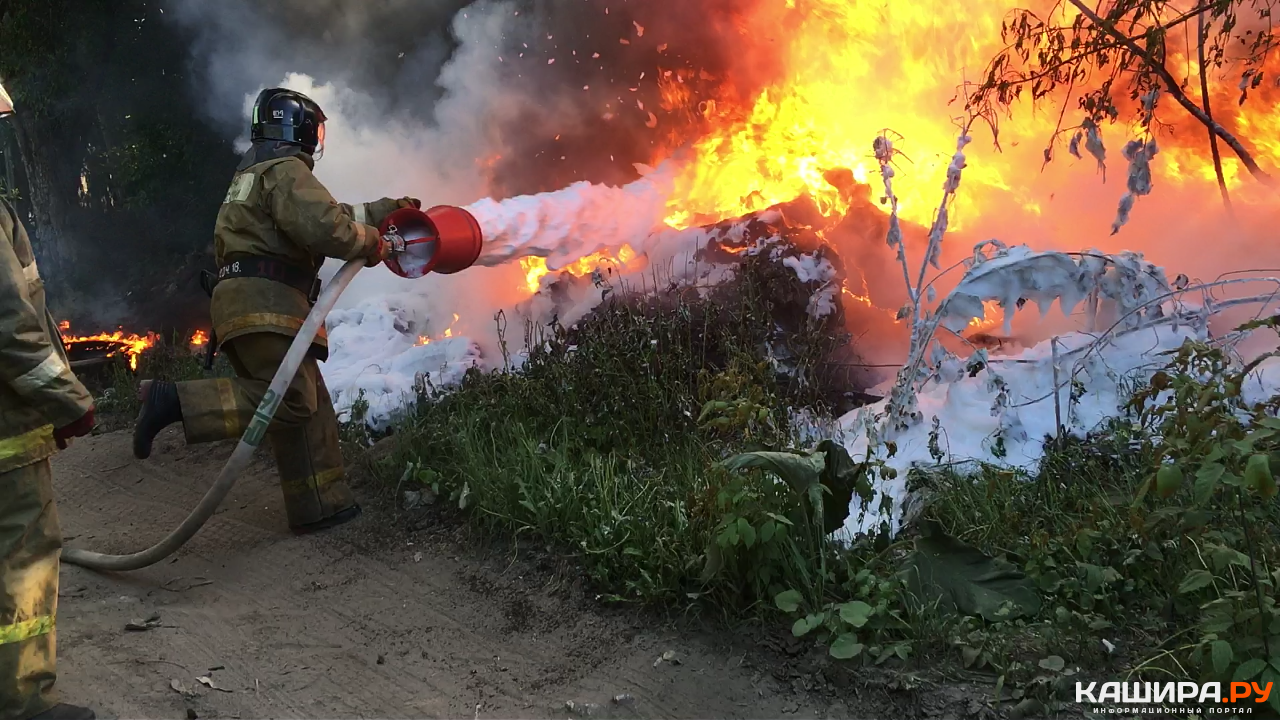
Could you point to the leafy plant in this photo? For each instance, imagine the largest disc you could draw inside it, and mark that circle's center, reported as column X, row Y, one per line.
column 1212, row 478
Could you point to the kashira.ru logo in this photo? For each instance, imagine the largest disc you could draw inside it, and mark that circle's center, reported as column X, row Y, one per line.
column 1173, row 698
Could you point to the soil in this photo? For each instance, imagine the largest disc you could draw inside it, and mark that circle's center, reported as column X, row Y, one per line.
column 393, row 616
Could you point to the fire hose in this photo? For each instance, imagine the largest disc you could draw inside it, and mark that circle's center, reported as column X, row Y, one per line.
column 443, row 239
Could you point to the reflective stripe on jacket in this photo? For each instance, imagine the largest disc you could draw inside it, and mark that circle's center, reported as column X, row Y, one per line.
column 38, row 391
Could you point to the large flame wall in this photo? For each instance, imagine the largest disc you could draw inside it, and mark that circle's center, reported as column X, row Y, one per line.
column 848, row 69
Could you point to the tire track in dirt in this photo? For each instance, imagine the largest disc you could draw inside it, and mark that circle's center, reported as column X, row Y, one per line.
column 336, row 626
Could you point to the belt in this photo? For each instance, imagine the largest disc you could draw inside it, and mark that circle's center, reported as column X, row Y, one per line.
column 258, row 266
column 269, row 268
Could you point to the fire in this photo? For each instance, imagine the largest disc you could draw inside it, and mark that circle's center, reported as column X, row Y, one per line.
column 535, row 268
column 850, row 69
column 198, row 338
column 992, row 316
column 448, row 333
column 131, row 344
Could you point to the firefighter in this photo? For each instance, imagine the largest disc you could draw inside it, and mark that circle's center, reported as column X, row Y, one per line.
column 276, row 226
column 42, row 406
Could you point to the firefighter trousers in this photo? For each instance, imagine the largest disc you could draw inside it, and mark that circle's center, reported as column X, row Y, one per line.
column 303, row 434
column 30, row 543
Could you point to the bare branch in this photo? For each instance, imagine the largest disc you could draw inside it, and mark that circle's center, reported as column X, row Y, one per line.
column 1173, row 88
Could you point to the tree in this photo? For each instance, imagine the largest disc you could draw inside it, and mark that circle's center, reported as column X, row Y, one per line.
column 1115, row 62
column 120, row 176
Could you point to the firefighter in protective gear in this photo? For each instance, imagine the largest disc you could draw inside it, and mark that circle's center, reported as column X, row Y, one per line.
column 42, row 406
column 276, row 226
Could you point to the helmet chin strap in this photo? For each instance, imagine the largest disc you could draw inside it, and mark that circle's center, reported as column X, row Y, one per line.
column 319, row 153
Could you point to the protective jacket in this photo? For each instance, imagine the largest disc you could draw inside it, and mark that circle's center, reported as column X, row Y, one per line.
column 277, row 209
column 38, row 391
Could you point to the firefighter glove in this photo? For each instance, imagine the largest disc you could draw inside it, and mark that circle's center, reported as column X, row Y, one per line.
column 79, row 428
column 406, row 202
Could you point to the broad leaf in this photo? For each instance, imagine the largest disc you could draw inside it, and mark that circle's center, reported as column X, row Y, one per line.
column 1168, row 480
column 828, row 467
column 1257, row 476
column 746, row 532
column 807, row 623
column 1207, row 479
column 1195, row 580
column 844, row 478
column 845, row 647
column 856, row 613
column 1220, row 652
column 963, row 578
column 1249, row 669
column 798, row 471
column 788, row 601
column 1053, row 663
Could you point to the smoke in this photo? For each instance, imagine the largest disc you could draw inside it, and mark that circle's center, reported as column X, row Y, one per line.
column 454, row 102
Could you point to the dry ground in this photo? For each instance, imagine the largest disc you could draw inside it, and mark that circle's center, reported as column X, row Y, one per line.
column 372, row 620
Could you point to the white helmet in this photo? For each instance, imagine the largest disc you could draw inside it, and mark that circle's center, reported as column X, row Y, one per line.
column 6, row 103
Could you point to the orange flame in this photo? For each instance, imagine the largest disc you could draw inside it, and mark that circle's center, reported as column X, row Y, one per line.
column 448, row 333
column 133, row 345
column 199, row 338
column 843, row 72
column 992, row 316
column 847, row 70
column 535, row 268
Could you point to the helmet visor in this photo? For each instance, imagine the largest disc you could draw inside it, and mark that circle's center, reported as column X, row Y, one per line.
column 319, row 142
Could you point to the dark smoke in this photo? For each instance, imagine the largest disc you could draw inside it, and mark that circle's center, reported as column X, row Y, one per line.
column 579, row 80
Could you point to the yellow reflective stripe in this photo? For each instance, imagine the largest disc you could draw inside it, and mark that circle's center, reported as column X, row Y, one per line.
column 329, row 477
column 46, row 372
column 31, row 273
column 25, row 630
column 230, row 417
column 262, row 320
column 295, row 486
column 26, row 443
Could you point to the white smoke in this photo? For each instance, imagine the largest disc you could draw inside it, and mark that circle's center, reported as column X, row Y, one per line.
column 436, row 155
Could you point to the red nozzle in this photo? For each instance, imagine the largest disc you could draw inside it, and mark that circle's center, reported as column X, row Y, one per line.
column 444, row 239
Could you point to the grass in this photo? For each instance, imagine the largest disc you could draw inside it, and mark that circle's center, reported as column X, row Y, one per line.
column 609, row 444
column 115, row 386
column 608, row 440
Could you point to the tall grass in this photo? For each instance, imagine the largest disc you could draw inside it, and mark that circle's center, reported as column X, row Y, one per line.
column 607, row 442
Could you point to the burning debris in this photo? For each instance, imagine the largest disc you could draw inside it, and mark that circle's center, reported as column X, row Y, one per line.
column 104, row 349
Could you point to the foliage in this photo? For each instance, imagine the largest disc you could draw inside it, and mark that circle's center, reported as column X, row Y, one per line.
column 1212, row 481
column 619, row 459
column 608, row 443
column 1109, row 61
column 117, row 160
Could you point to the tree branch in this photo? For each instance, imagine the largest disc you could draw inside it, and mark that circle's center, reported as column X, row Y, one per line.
column 1174, row 90
column 1208, row 112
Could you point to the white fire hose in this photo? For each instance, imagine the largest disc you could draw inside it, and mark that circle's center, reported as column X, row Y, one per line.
column 244, row 450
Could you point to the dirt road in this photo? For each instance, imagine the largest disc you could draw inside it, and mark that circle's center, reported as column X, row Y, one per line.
column 359, row 622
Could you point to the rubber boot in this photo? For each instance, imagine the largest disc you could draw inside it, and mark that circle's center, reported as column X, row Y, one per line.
column 334, row 520
column 63, row 711
column 160, row 409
